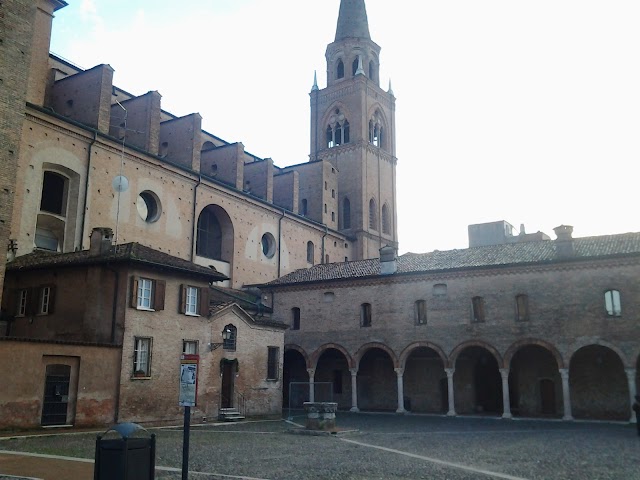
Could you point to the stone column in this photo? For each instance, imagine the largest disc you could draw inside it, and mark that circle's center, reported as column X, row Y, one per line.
column 354, row 390
column 566, row 394
column 631, row 378
column 399, row 374
column 506, row 400
column 312, row 377
column 452, row 404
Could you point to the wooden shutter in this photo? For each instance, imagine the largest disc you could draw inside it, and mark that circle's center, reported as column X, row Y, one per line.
column 12, row 300
column 203, row 298
column 182, row 305
column 52, row 298
column 159, row 287
column 134, row 292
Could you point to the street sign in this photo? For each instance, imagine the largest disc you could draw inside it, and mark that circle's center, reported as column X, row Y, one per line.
column 188, row 380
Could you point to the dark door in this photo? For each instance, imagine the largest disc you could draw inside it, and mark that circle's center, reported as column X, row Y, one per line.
column 547, row 397
column 444, row 395
column 227, row 385
column 56, row 395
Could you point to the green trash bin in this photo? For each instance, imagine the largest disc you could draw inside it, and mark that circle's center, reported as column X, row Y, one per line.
column 125, row 458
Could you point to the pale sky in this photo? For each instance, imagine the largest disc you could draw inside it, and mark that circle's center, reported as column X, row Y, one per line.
column 524, row 111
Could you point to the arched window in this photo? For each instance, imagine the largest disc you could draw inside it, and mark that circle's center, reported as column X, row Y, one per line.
column 346, row 213
column 420, row 309
column 330, row 137
column 229, row 337
column 373, row 215
column 612, row 303
column 310, row 252
column 386, row 228
column 365, row 315
column 54, row 192
column 209, row 241
column 345, row 132
column 522, row 308
column 354, row 65
column 337, row 130
column 340, row 69
column 304, row 210
column 376, row 131
column 477, row 307
column 372, row 70
column 295, row 318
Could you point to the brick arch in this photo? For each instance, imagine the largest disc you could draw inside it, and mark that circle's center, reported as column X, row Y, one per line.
column 602, row 343
column 300, row 350
column 406, row 353
column 453, row 356
column 513, row 349
column 368, row 346
column 330, row 110
column 323, row 348
column 377, row 108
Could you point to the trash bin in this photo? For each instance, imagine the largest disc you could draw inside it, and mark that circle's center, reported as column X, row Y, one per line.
column 125, row 458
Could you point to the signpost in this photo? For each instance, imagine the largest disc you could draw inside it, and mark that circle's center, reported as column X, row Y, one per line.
column 188, row 394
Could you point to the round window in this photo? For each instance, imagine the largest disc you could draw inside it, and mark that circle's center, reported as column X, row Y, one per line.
column 268, row 245
column 148, row 206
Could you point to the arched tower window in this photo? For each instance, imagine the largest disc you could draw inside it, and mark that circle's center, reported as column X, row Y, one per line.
column 354, row 65
column 337, row 130
column 386, row 224
column 304, row 207
column 373, row 216
column 310, row 252
column 346, row 213
column 340, row 69
column 372, row 70
column 376, row 131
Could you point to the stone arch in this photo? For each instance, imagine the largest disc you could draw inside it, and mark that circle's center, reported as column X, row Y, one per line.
column 407, row 352
column 331, row 111
column 368, row 346
column 603, row 343
column 215, row 234
column 473, row 343
column 513, row 349
column 321, row 349
column 300, row 350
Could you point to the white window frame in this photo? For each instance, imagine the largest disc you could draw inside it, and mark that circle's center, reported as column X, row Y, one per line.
column 190, row 347
column 142, row 357
column 44, row 300
column 613, row 303
column 191, row 301
column 22, row 303
column 145, row 294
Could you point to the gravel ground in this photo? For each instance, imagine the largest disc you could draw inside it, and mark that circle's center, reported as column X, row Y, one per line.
column 385, row 446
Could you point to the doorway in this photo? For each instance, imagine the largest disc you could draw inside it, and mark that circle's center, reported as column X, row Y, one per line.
column 56, row 395
column 228, row 376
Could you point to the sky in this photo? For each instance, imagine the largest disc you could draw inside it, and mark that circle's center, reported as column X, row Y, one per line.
column 513, row 110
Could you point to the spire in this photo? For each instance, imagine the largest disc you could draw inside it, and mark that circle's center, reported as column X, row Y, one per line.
column 352, row 21
column 390, row 91
column 315, row 81
column 360, row 70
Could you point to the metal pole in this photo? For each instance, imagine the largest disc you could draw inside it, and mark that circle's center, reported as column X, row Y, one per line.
column 185, row 443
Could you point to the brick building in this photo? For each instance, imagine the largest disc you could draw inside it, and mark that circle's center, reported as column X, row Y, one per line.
column 536, row 328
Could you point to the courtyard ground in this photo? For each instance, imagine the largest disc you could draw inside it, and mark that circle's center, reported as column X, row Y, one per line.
column 380, row 446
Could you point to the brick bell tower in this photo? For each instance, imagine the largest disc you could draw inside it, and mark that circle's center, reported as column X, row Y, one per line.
column 353, row 127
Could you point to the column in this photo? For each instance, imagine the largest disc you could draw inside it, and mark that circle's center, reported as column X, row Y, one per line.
column 354, row 390
column 506, row 401
column 566, row 395
column 452, row 407
column 399, row 374
column 312, row 377
column 631, row 378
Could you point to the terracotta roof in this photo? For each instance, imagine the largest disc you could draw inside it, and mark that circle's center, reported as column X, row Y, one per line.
column 128, row 252
column 478, row 257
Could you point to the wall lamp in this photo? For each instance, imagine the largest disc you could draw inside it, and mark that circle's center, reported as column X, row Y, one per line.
column 226, row 335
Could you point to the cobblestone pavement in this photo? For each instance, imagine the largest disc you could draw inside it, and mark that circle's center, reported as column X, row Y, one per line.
column 386, row 446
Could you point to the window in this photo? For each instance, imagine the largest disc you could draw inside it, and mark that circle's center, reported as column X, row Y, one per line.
column 190, row 347
column 194, row 300
column 440, row 289
column 21, row 311
column 54, row 192
column 310, row 252
column 44, row 301
column 142, row 357
column 386, row 228
column 325, row 208
column 326, row 258
column 420, row 312
column 333, row 216
column 477, row 304
column 304, row 207
column 340, row 69
column 376, row 130
column 329, row 297
column 295, row 320
column 373, row 217
column 273, row 354
column 354, row 65
column 372, row 70
column 612, row 303
column 522, row 308
column 209, row 241
column 268, row 245
column 147, row 294
column 346, row 213
column 333, row 193
column 338, row 132
column 148, row 206
column 365, row 315
column 230, row 342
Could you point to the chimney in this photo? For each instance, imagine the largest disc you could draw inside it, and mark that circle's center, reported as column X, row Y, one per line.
column 100, row 241
column 388, row 261
column 564, row 241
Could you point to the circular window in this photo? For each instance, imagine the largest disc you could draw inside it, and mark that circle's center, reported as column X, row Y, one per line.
column 268, row 245
column 148, row 206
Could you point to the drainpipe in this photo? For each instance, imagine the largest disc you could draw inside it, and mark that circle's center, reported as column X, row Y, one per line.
column 280, row 239
column 86, row 187
column 326, row 230
column 193, row 217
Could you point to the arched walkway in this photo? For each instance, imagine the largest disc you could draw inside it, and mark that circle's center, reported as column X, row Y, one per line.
column 598, row 384
column 477, row 381
column 333, row 378
column 377, row 388
column 294, row 370
column 425, row 381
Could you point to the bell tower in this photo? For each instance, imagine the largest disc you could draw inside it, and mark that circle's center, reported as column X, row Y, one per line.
column 353, row 128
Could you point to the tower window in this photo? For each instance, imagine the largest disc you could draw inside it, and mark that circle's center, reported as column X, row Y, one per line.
column 310, row 252
column 365, row 315
column 386, row 228
column 304, row 210
column 340, row 69
column 209, row 242
column 355, row 65
column 338, row 130
column 373, row 215
column 612, row 303
column 372, row 70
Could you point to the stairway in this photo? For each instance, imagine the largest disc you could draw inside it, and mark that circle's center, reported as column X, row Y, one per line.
column 229, row 415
